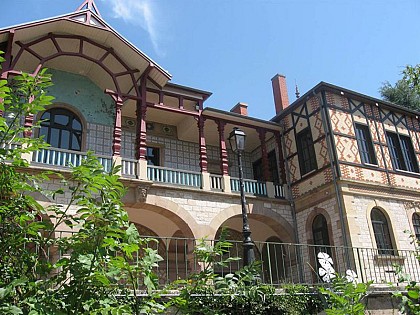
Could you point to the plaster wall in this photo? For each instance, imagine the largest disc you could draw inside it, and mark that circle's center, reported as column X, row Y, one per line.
column 81, row 93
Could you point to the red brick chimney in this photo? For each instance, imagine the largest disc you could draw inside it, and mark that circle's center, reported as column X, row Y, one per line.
column 240, row 108
column 281, row 98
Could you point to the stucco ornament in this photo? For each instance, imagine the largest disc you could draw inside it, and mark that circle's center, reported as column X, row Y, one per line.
column 326, row 271
column 141, row 193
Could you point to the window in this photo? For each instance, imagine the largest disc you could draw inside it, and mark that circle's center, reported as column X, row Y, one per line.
column 364, row 141
column 62, row 129
column 402, row 152
column 153, row 156
column 320, row 235
column 306, row 151
column 272, row 167
column 381, row 231
column 320, row 231
column 416, row 225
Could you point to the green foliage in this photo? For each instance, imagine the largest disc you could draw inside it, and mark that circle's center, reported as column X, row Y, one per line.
column 345, row 297
column 401, row 94
column 236, row 293
column 91, row 270
column 412, row 77
column 410, row 299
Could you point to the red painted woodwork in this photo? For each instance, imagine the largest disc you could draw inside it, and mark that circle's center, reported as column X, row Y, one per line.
column 281, row 158
column 173, row 109
column 264, row 155
column 116, row 140
column 108, row 51
column 202, row 142
column 29, row 120
column 141, row 110
column 224, row 166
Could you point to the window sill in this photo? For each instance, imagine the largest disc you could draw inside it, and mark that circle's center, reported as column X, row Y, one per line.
column 370, row 165
column 308, row 173
column 407, row 172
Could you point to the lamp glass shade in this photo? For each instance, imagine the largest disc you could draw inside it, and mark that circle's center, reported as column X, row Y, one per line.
column 237, row 140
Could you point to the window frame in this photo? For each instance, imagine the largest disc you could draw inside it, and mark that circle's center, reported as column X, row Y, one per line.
column 365, row 144
column 382, row 232
column 415, row 218
column 401, row 150
column 48, row 125
column 306, row 151
column 159, row 158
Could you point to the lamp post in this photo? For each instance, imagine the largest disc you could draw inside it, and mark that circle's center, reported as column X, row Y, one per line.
column 237, row 144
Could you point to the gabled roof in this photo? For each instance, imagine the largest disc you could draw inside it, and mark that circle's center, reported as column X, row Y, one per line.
column 352, row 94
column 85, row 23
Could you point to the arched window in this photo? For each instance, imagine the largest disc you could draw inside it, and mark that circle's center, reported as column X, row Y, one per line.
column 320, row 231
column 416, row 225
column 381, row 231
column 62, row 129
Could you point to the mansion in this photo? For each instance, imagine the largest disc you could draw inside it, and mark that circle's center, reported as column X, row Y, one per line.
column 333, row 171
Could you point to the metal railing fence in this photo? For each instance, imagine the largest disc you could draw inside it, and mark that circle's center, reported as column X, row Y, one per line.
column 279, row 261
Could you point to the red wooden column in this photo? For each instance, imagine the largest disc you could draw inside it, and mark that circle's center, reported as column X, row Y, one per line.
column 264, row 155
column 7, row 61
column 281, row 158
column 29, row 121
column 116, row 141
column 202, row 142
column 141, row 110
column 141, row 131
column 224, row 166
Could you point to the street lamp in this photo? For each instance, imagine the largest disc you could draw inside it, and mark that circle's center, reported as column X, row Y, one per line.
column 237, row 144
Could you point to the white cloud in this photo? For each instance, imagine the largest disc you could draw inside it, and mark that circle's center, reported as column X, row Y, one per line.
column 138, row 12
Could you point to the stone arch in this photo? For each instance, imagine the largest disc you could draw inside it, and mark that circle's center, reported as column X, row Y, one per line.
column 156, row 206
column 259, row 213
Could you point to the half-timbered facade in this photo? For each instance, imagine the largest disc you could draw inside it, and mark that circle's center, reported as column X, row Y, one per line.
column 353, row 172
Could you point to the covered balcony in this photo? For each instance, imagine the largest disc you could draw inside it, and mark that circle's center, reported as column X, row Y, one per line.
column 179, row 144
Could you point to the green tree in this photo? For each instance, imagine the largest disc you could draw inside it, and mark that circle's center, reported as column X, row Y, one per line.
column 101, row 264
column 401, row 94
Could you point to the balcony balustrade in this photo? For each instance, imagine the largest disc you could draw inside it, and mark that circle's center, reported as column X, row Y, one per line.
column 282, row 263
column 173, row 176
column 66, row 158
column 61, row 159
column 251, row 186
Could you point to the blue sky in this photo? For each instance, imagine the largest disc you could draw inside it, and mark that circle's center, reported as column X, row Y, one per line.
column 234, row 47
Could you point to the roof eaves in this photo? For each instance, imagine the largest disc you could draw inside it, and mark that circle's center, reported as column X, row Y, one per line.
column 109, row 28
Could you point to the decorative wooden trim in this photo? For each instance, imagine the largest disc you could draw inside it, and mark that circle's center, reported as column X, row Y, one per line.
column 202, row 142
column 264, row 155
column 224, row 163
